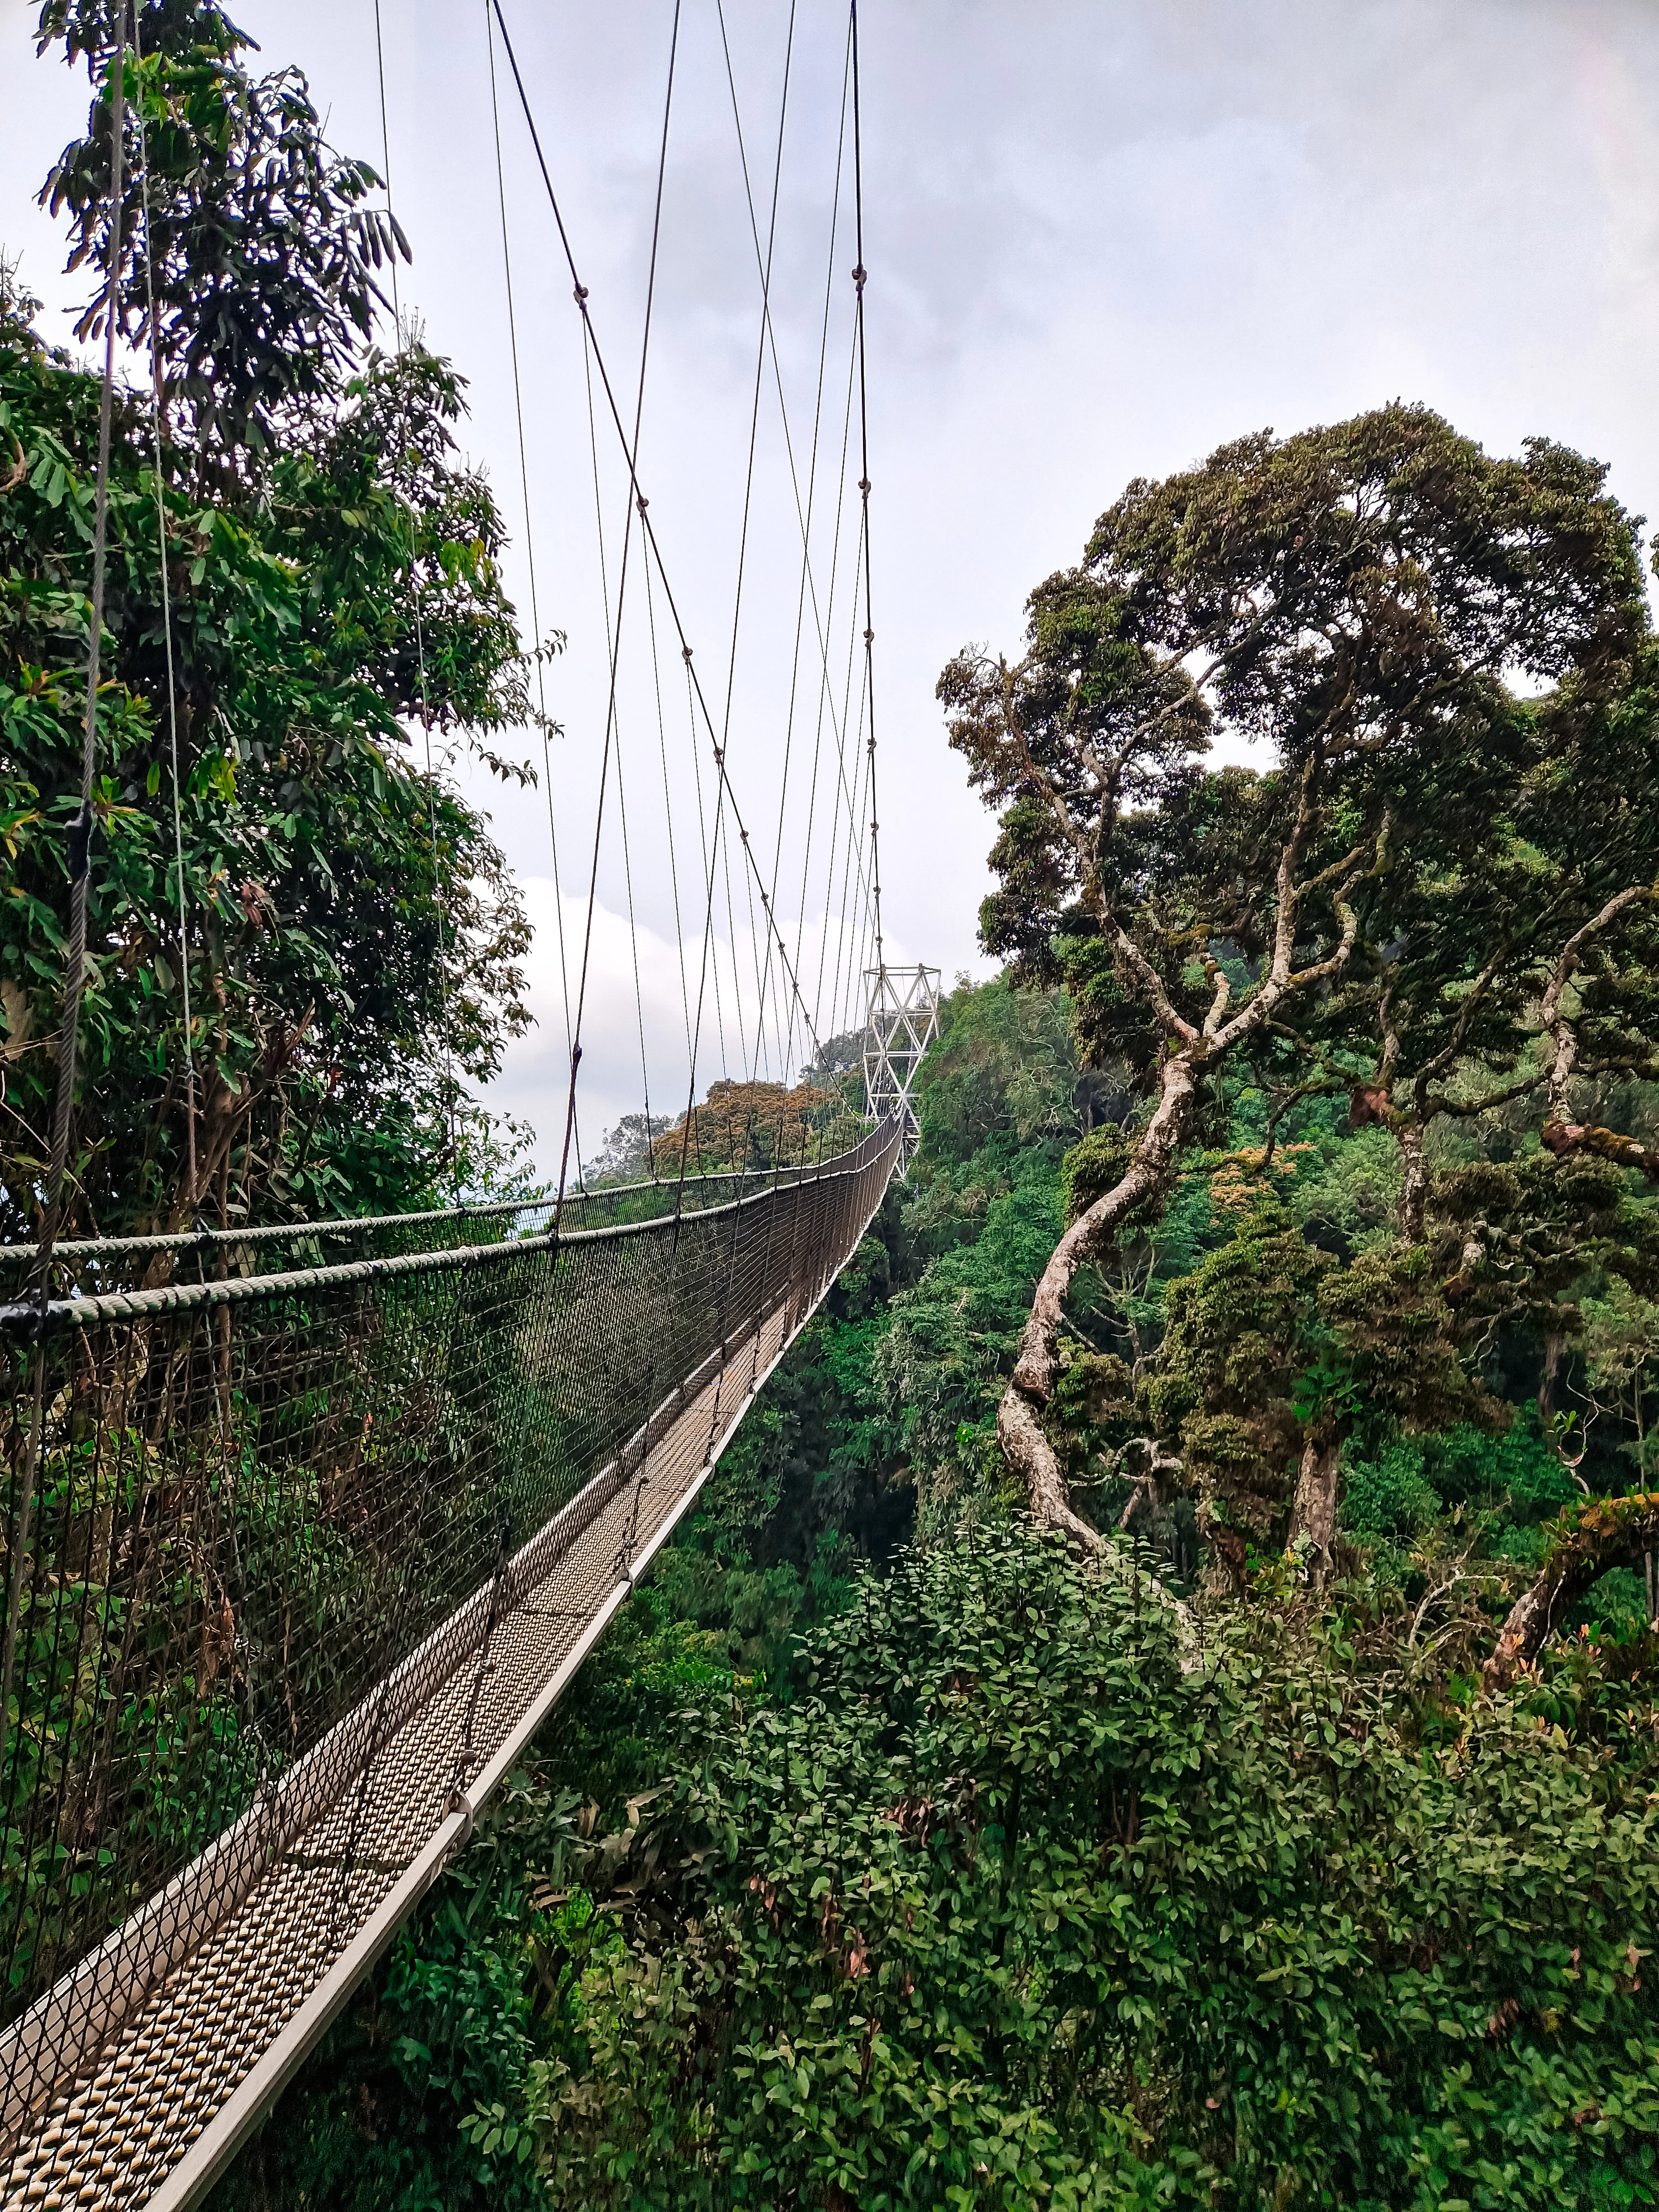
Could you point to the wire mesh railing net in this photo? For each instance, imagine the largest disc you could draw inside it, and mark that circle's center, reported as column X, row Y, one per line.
column 252, row 1524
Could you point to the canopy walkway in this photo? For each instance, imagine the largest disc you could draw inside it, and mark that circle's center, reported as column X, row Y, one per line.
column 307, row 1557
column 307, row 1526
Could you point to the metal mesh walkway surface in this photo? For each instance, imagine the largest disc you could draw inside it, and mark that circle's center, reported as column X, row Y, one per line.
column 296, row 1564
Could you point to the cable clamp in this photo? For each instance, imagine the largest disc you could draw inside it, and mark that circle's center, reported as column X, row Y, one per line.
column 580, row 294
column 864, row 486
column 460, row 1802
column 859, row 275
column 643, row 501
column 78, row 839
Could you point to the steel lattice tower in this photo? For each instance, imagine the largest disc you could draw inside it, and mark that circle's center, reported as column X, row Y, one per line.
column 902, row 1022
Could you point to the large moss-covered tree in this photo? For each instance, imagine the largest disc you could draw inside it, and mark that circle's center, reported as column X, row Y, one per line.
column 349, row 937
column 1426, row 893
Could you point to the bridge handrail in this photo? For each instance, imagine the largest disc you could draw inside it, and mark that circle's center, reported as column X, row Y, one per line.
column 23, row 1316
column 355, row 1224
column 186, row 1472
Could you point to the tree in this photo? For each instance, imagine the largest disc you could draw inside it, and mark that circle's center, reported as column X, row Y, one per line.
column 349, row 936
column 625, row 1155
column 753, row 1126
column 250, row 253
column 1364, row 599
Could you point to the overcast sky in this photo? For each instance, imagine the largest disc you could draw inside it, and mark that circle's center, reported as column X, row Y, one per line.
column 1101, row 239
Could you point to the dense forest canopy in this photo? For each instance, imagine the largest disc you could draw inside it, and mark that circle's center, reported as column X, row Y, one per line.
column 1156, row 1707
column 890, row 1853
column 350, row 941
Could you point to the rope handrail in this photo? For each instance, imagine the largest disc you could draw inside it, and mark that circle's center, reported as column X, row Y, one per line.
column 27, row 1317
column 353, row 1224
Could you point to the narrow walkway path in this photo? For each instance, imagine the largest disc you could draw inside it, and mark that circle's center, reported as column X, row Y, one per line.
column 202, row 2062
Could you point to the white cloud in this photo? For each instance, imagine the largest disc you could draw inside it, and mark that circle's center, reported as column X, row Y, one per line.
column 534, row 1083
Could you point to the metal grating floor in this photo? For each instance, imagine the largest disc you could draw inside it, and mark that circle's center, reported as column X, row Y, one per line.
column 123, row 2134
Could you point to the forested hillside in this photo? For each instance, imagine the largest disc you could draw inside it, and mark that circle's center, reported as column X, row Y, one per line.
column 886, row 1853
column 1157, row 1706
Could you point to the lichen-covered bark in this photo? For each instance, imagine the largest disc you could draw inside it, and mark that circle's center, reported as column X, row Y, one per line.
column 1314, row 1513
column 1588, row 1540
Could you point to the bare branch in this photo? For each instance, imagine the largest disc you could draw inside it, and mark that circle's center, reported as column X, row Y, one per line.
column 1561, row 1033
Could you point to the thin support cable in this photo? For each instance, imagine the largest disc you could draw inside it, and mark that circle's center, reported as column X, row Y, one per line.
column 420, row 658
column 749, row 478
column 820, row 615
column 860, row 278
column 840, row 722
column 580, row 294
column 631, row 450
column 613, row 647
column 79, row 835
column 167, row 634
column 708, row 865
column 854, row 845
column 529, row 537
column 859, row 782
column 668, row 805
column 803, row 513
column 806, row 572
column 79, row 843
column 824, row 696
column 386, row 163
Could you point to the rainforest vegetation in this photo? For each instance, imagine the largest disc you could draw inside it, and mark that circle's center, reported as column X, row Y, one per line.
column 1158, row 1706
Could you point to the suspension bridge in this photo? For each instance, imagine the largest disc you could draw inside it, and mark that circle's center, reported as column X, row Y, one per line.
column 308, row 1524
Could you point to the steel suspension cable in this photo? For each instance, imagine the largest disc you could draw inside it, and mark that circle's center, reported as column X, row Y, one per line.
column 79, row 834
column 648, row 528
column 860, row 278
column 613, row 646
column 855, row 843
column 854, row 840
column 631, row 450
column 826, row 696
column 420, row 662
column 529, row 536
column 702, row 834
column 166, row 624
column 78, row 839
column 667, row 803
column 803, row 512
column 749, row 477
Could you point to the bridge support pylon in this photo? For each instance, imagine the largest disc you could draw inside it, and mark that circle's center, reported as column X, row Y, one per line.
column 901, row 1022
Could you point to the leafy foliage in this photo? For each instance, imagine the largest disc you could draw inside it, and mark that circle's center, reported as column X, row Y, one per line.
column 248, row 246
column 1008, row 1908
column 349, row 937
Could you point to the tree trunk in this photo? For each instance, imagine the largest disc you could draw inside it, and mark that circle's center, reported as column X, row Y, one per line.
column 1020, row 1427
column 1554, row 1343
column 1414, row 1189
column 1603, row 1533
column 1314, row 1513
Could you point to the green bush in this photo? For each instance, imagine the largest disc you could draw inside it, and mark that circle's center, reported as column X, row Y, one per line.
column 1092, row 1167
column 1012, row 1909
